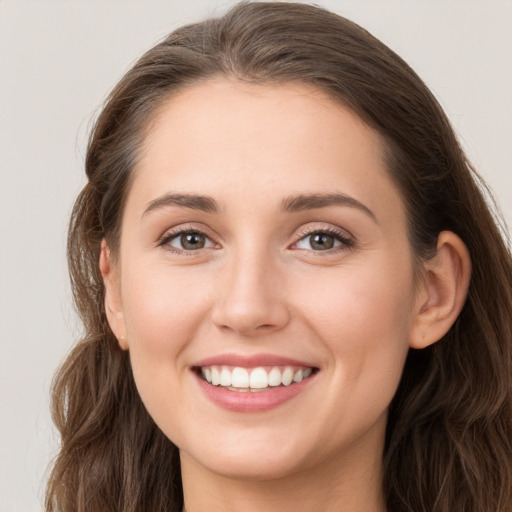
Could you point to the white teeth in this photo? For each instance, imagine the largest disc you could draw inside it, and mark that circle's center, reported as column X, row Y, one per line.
column 258, row 379
column 274, row 377
column 287, row 377
column 225, row 377
column 240, row 378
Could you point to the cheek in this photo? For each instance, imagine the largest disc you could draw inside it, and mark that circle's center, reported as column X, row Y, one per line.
column 163, row 313
column 363, row 317
column 363, row 324
column 162, row 308
column 373, row 297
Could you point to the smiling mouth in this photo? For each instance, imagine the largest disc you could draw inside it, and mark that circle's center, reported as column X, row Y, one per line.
column 262, row 378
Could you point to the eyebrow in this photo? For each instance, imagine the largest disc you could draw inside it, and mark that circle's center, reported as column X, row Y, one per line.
column 194, row 202
column 297, row 203
column 304, row 202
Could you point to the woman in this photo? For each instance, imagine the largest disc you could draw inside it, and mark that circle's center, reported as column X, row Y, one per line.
column 295, row 296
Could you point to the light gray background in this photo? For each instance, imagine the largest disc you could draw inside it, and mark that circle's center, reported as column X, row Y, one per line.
column 58, row 59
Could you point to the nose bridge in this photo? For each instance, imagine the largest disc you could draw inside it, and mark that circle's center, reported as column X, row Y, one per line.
column 250, row 299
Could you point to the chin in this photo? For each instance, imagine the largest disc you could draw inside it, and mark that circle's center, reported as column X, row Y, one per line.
column 256, row 469
column 250, row 462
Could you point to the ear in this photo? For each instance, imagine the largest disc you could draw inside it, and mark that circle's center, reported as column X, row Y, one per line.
column 113, row 306
column 442, row 292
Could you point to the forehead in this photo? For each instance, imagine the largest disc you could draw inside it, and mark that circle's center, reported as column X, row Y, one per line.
column 224, row 136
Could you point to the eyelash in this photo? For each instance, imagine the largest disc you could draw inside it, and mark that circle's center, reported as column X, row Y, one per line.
column 169, row 236
column 338, row 235
column 345, row 242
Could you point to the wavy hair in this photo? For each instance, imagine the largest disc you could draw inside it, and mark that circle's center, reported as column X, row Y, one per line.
column 449, row 434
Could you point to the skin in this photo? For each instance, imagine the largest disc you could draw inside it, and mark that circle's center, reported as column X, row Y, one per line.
column 259, row 286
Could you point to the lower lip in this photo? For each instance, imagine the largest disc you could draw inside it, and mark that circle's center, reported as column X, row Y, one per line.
column 247, row 401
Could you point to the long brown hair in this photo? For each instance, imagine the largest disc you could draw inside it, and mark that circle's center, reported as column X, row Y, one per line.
column 449, row 434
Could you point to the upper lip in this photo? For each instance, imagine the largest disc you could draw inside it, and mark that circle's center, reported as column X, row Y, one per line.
column 251, row 361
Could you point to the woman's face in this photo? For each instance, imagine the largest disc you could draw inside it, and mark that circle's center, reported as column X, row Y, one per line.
column 262, row 242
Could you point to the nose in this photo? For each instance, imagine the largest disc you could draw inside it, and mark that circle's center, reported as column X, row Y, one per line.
column 250, row 300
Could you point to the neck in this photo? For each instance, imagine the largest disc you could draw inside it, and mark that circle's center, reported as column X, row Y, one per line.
column 347, row 483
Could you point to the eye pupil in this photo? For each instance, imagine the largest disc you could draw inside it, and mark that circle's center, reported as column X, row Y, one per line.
column 321, row 241
column 190, row 241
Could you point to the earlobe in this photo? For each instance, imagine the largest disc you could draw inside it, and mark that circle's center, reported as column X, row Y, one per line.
column 113, row 307
column 443, row 291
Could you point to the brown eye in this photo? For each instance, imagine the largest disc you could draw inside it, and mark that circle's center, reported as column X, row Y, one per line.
column 188, row 241
column 191, row 241
column 321, row 241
